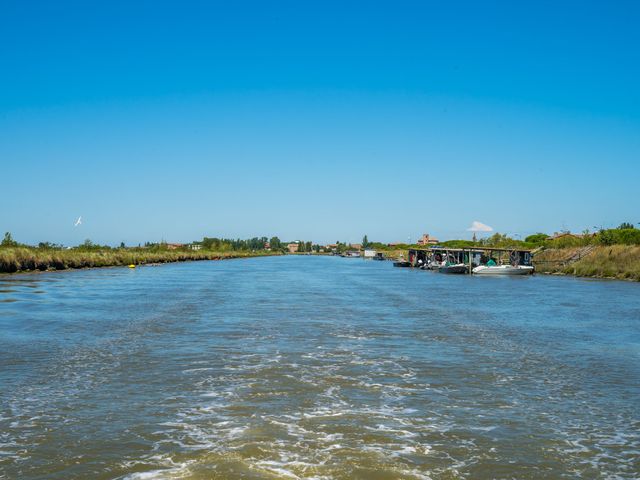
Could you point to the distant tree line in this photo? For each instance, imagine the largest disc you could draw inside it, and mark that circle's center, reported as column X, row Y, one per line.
column 226, row 244
column 625, row 234
column 207, row 243
column 307, row 247
column 255, row 243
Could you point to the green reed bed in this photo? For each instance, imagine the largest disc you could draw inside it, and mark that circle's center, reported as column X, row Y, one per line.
column 20, row 259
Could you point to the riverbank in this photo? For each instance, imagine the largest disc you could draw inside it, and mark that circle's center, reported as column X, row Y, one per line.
column 620, row 262
column 616, row 261
column 24, row 259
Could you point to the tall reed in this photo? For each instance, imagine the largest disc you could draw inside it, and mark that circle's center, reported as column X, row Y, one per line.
column 16, row 259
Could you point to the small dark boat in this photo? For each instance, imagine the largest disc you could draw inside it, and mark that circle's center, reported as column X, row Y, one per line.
column 401, row 264
column 455, row 268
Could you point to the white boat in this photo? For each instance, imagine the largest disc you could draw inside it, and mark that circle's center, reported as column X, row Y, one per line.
column 503, row 270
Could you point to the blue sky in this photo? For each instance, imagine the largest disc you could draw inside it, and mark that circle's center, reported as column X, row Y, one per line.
column 316, row 120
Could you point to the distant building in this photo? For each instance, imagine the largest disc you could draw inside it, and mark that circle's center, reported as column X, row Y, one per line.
column 356, row 246
column 427, row 240
column 369, row 253
column 267, row 246
column 195, row 246
column 174, row 246
column 293, row 247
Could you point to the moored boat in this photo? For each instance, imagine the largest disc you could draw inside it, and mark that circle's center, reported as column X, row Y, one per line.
column 503, row 270
column 402, row 263
column 453, row 268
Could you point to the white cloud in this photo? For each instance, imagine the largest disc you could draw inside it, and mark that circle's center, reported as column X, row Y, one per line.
column 477, row 226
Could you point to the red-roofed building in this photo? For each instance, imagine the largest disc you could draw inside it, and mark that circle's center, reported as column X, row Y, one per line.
column 427, row 240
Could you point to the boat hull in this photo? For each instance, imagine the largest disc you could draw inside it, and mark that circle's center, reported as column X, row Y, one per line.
column 503, row 270
column 453, row 269
column 401, row 264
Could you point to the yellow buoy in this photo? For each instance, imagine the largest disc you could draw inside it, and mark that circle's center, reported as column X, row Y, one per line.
column 132, row 266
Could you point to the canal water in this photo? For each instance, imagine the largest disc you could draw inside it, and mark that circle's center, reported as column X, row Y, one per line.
column 325, row 368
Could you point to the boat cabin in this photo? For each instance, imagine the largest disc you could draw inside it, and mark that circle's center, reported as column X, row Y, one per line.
column 424, row 258
column 504, row 256
column 434, row 257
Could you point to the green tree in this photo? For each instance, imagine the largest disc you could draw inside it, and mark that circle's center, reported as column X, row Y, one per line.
column 497, row 239
column 365, row 242
column 625, row 226
column 536, row 238
column 605, row 237
column 275, row 243
column 48, row 245
column 8, row 241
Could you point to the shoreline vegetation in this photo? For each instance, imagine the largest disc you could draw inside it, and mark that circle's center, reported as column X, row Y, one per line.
column 621, row 262
column 46, row 256
column 611, row 253
column 28, row 259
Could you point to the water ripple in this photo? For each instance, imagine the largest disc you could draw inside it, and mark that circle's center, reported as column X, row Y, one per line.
column 316, row 368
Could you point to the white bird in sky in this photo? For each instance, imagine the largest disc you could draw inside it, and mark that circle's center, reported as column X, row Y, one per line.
column 78, row 221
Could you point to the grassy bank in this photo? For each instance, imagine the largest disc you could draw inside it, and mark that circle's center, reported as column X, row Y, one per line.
column 24, row 259
column 615, row 261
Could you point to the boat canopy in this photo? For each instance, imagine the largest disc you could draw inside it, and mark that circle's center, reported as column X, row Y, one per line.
column 472, row 256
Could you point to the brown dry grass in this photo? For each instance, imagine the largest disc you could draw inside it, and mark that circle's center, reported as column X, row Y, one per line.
column 616, row 261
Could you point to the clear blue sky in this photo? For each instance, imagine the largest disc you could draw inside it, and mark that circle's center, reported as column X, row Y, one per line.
column 316, row 120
